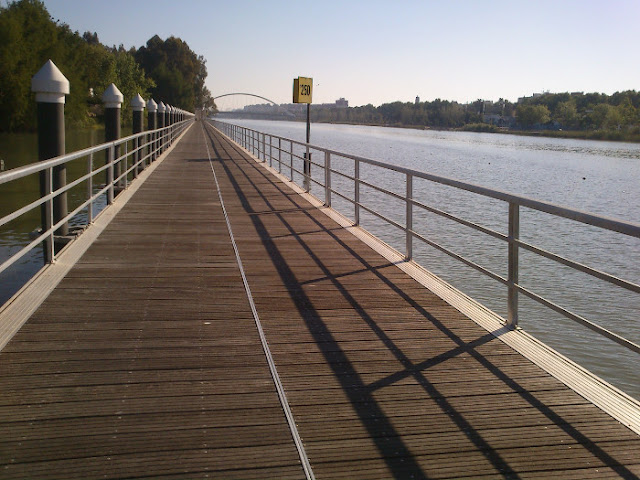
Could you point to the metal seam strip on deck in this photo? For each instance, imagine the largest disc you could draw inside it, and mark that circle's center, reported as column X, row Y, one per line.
column 605, row 396
column 304, row 459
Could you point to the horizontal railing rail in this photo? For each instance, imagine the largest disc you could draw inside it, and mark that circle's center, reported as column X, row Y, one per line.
column 288, row 152
column 128, row 156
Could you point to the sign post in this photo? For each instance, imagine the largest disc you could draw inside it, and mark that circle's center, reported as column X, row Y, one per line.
column 302, row 90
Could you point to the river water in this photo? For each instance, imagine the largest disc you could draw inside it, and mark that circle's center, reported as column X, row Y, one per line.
column 592, row 176
column 21, row 149
column 599, row 177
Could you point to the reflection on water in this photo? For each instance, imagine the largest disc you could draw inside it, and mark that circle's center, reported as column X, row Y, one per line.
column 22, row 149
column 599, row 177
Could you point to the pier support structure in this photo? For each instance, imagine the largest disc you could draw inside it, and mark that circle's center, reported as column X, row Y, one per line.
column 137, row 105
column 161, row 109
column 112, row 99
column 152, row 124
column 50, row 87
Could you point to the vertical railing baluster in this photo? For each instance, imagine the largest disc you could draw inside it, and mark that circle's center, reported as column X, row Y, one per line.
column 110, row 175
column 90, row 189
column 409, row 218
column 356, row 196
column 327, row 179
column 279, row 155
column 512, row 280
column 48, row 222
column 126, row 164
column 291, row 159
column 270, row 151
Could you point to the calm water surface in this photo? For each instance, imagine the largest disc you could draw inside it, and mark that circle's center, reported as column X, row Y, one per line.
column 598, row 177
column 22, row 149
column 592, row 176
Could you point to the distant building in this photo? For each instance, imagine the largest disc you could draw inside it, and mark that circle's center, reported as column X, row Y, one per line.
column 499, row 120
column 535, row 95
column 342, row 103
column 417, row 100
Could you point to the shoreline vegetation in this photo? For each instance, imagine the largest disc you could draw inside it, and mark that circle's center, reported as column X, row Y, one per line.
column 576, row 115
column 603, row 135
column 166, row 70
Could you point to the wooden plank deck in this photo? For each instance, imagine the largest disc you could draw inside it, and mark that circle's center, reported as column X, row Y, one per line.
column 145, row 361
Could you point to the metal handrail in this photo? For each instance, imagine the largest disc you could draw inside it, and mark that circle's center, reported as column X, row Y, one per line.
column 245, row 137
column 151, row 141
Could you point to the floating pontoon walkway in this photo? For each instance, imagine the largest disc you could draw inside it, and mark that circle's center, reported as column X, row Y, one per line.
column 287, row 349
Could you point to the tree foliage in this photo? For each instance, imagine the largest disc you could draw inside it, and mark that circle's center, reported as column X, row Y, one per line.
column 29, row 37
column 178, row 72
column 587, row 111
column 532, row 115
column 619, row 112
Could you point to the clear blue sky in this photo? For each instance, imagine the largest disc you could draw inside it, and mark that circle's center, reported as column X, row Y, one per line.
column 381, row 51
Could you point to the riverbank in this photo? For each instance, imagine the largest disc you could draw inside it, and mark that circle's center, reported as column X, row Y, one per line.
column 606, row 135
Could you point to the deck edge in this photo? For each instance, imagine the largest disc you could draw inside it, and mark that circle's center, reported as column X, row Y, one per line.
column 19, row 308
column 588, row 385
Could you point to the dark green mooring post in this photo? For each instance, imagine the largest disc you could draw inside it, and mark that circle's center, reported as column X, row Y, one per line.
column 137, row 105
column 168, row 123
column 50, row 87
column 152, row 124
column 112, row 99
column 161, row 109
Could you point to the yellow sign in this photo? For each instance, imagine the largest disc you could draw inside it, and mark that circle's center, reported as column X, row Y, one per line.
column 302, row 89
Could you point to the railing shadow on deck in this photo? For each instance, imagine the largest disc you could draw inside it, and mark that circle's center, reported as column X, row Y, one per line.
column 396, row 454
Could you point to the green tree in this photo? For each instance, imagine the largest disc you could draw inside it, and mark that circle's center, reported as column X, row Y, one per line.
column 605, row 116
column 178, row 73
column 531, row 115
column 29, row 37
column 566, row 113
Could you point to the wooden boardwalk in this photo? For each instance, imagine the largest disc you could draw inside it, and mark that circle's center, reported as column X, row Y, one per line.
column 145, row 361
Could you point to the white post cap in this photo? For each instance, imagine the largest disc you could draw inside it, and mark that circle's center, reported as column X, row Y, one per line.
column 161, row 107
column 152, row 106
column 112, row 97
column 49, row 84
column 138, row 103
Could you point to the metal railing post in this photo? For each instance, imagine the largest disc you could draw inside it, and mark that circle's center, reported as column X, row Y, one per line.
column 512, row 279
column 327, row 179
column 270, row 151
column 291, row 159
column 110, row 174
column 125, row 161
column 264, row 148
column 279, row 155
column 409, row 218
column 90, row 188
column 356, row 196
column 49, row 217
